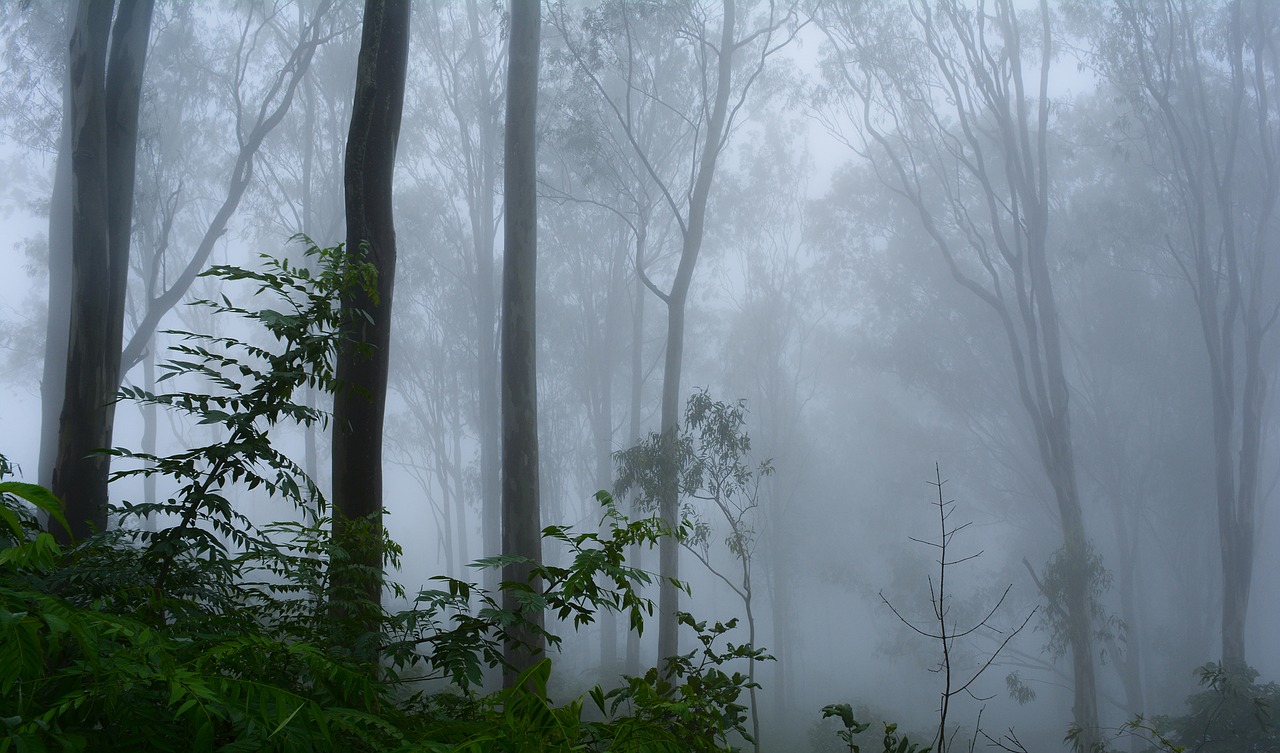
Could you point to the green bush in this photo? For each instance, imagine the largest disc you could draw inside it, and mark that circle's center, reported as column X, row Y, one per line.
column 216, row 634
column 1234, row 713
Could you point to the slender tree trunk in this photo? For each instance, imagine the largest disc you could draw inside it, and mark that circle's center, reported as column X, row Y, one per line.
column 602, row 430
column 521, row 519
column 459, row 488
column 359, row 408
column 669, row 549
column 58, row 324
column 747, row 604
column 669, row 503
column 634, row 555
column 780, row 601
column 310, row 454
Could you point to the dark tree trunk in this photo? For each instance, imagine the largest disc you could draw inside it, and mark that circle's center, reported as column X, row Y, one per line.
column 104, row 99
column 360, row 405
column 521, row 526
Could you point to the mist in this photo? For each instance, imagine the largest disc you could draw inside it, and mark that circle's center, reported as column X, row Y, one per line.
column 997, row 276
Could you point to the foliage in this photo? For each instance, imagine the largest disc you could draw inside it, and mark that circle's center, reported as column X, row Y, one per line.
column 691, row 694
column 711, row 465
column 1233, row 713
column 215, row 633
column 892, row 741
column 1061, row 567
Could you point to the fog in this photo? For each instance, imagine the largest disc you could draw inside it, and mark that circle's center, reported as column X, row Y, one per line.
column 914, row 264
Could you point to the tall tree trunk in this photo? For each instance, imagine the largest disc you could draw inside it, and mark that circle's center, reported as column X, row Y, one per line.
column 602, row 430
column 521, row 526
column 150, row 415
column 105, row 96
column 483, row 217
column 637, row 394
column 669, row 549
column 58, row 323
column 310, row 453
column 1224, row 165
column 360, row 406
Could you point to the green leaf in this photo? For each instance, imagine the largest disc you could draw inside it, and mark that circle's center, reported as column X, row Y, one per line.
column 42, row 498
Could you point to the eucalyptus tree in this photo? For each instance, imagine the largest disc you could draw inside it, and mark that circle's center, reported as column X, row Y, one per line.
column 257, row 100
column 718, row 480
column 953, row 110
column 695, row 67
column 179, row 35
column 362, row 365
column 592, row 167
column 1137, row 376
column 521, row 512
column 1201, row 80
column 107, row 57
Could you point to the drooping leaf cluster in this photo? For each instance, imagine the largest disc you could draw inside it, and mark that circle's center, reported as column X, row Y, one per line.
column 711, row 464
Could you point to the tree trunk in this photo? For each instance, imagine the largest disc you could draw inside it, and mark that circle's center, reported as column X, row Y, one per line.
column 80, row 479
column 637, row 393
column 104, row 127
column 150, row 416
column 1219, row 140
column 521, row 526
column 669, row 549
column 360, row 406
column 58, row 323
column 602, row 362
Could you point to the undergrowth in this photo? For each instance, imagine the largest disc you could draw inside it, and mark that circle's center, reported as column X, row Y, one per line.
column 217, row 633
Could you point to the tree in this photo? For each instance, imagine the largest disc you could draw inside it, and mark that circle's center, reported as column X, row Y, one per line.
column 946, row 629
column 251, row 130
column 521, row 518
column 956, row 126
column 359, row 408
column 1201, row 78
column 595, row 169
column 713, row 470
column 105, row 91
column 179, row 92
column 624, row 54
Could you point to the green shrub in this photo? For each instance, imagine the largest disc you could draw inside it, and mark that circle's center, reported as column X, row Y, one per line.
column 215, row 633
